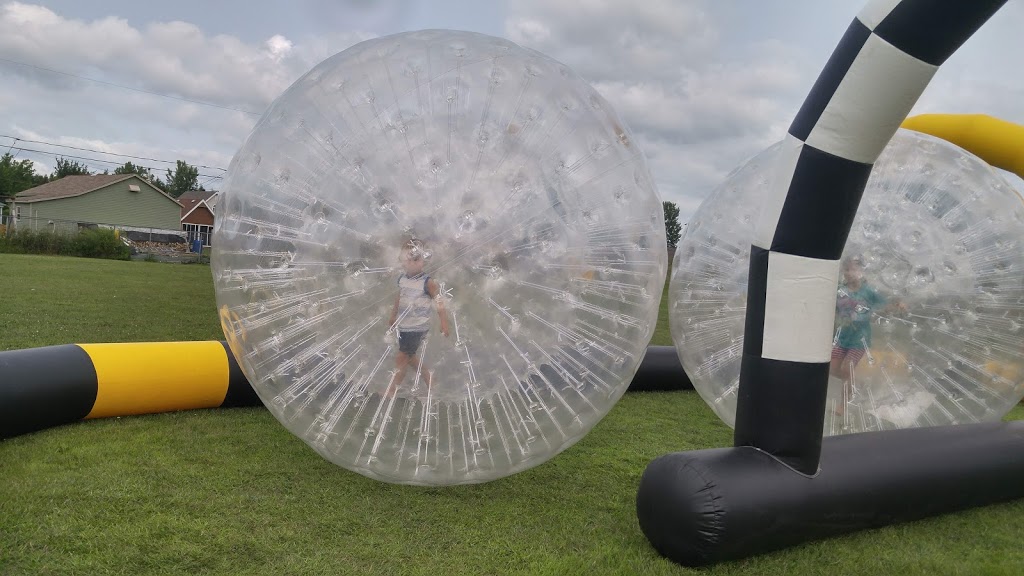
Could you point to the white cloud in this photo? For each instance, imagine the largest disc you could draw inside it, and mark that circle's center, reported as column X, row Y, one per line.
column 103, row 118
column 615, row 40
column 704, row 85
column 174, row 58
column 279, row 46
column 696, row 112
column 527, row 31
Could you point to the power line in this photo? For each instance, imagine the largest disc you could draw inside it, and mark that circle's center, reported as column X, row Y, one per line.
column 211, row 176
column 16, row 140
column 208, row 180
column 128, row 87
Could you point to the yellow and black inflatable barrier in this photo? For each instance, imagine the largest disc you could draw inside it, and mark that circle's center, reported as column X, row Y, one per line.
column 996, row 141
column 55, row 385
column 45, row 387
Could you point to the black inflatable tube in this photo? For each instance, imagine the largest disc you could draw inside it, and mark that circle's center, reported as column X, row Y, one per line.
column 660, row 371
column 44, row 387
column 703, row 507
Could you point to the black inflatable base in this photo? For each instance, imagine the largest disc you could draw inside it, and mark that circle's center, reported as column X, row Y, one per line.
column 709, row 506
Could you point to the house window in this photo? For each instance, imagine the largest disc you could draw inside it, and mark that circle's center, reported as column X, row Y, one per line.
column 201, row 231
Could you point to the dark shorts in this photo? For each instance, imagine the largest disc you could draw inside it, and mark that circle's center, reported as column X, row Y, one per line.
column 409, row 342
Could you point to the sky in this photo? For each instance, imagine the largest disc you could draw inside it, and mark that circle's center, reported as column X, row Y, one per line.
column 703, row 84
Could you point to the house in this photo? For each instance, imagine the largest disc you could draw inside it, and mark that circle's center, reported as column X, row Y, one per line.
column 124, row 201
column 198, row 210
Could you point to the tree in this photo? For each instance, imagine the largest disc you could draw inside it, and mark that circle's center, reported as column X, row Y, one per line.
column 70, row 168
column 142, row 172
column 130, row 168
column 183, row 179
column 15, row 176
column 672, row 227
column 40, row 179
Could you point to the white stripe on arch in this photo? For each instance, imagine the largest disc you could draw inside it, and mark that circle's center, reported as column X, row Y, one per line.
column 799, row 308
column 875, row 96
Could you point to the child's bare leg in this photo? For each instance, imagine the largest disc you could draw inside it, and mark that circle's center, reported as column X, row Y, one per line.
column 848, row 382
column 853, row 364
column 836, row 367
column 840, row 369
column 849, row 362
column 423, row 372
column 401, row 363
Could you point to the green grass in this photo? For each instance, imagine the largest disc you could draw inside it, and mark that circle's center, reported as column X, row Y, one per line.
column 56, row 300
column 662, row 334
column 232, row 492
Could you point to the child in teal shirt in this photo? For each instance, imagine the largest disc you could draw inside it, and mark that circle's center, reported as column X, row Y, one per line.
column 856, row 303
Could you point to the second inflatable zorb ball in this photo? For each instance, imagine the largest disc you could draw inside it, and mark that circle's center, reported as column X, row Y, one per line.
column 439, row 258
column 929, row 319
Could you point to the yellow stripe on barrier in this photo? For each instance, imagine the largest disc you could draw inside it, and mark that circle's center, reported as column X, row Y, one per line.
column 153, row 377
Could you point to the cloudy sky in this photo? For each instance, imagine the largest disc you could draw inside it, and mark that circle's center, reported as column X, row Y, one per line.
column 703, row 84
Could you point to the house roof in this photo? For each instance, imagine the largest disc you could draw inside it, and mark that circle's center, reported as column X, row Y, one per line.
column 69, row 186
column 195, row 196
column 193, row 199
column 201, row 203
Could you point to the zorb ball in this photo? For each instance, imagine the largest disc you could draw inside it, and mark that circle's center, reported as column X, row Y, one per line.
column 439, row 258
column 929, row 306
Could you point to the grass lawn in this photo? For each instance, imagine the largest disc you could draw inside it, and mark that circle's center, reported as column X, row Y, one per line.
column 54, row 300
column 232, row 492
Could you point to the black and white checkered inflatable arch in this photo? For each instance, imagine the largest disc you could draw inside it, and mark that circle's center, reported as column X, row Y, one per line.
column 781, row 484
column 876, row 74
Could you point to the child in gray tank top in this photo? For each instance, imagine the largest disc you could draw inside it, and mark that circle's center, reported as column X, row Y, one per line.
column 417, row 295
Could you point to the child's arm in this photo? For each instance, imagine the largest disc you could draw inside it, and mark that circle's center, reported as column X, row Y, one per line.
column 394, row 312
column 434, row 290
column 890, row 304
column 896, row 306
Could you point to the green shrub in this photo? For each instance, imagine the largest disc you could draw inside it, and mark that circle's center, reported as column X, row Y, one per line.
column 88, row 243
column 99, row 243
column 24, row 241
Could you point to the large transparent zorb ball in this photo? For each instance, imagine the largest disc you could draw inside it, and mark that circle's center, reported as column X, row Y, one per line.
column 930, row 303
column 439, row 258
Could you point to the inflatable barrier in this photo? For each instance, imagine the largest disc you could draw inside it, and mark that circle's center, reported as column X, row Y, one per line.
column 660, row 371
column 708, row 506
column 996, row 141
column 55, row 385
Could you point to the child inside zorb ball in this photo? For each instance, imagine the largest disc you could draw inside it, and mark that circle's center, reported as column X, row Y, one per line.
column 857, row 304
column 411, row 315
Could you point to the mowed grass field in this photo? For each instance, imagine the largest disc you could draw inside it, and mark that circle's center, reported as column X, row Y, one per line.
column 232, row 492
